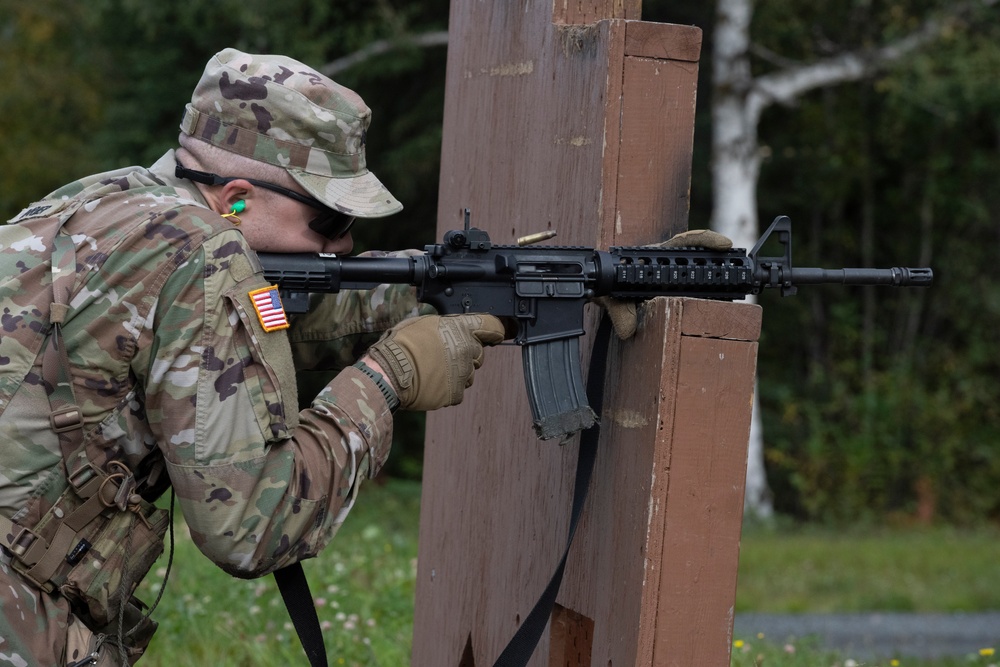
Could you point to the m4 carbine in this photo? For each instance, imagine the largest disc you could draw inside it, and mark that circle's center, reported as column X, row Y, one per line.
column 544, row 289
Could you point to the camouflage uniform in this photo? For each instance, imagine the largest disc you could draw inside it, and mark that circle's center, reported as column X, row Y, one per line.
column 177, row 378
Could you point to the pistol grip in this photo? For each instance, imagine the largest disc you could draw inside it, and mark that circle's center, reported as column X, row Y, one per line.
column 554, row 381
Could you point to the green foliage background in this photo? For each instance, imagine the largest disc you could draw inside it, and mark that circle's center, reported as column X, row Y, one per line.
column 883, row 404
column 878, row 404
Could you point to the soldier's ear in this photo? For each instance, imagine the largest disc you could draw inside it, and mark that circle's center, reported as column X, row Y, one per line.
column 233, row 192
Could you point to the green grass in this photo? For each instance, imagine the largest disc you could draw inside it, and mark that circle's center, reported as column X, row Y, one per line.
column 915, row 569
column 364, row 588
column 824, row 570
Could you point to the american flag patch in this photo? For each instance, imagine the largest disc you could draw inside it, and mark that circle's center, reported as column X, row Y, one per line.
column 267, row 303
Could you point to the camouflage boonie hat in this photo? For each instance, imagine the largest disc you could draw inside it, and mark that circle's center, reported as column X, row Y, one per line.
column 277, row 110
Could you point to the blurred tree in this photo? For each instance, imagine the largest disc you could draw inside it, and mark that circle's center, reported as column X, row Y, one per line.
column 51, row 98
column 873, row 410
column 797, row 48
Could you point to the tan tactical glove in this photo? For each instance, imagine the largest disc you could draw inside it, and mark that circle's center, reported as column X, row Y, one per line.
column 430, row 360
column 622, row 313
column 696, row 238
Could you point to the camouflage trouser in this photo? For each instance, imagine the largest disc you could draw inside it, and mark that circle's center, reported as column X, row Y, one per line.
column 37, row 628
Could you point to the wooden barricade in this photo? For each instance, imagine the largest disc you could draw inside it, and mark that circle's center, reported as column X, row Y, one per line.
column 581, row 119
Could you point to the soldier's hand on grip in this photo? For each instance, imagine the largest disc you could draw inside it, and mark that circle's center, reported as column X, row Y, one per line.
column 622, row 312
column 430, row 360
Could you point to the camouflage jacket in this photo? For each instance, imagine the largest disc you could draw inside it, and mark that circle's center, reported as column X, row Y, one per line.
column 174, row 373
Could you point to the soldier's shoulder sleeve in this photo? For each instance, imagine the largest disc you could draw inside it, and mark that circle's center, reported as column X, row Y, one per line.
column 260, row 484
column 220, row 381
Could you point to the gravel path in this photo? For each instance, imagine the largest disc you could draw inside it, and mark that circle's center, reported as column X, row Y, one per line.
column 870, row 635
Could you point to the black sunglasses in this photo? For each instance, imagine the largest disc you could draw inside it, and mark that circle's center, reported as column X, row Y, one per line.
column 331, row 223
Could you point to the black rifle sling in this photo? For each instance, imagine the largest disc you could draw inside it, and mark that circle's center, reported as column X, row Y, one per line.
column 521, row 646
column 294, row 588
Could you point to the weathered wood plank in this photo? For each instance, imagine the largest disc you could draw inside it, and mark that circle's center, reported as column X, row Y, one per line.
column 663, row 41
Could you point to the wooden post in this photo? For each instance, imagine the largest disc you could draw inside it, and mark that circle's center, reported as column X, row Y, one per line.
column 578, row 118
column 656, row 558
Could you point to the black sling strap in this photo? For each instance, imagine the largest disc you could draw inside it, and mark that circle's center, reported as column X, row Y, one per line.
column 523, row 643
column 294, row 587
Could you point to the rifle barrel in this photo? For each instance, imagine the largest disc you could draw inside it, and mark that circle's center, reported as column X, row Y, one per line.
column 896, row 276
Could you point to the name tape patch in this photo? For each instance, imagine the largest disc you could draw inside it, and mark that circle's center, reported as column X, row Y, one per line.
column 270, row 312
column 33, row 211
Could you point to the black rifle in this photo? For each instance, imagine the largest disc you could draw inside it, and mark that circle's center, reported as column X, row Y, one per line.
column 544, row 289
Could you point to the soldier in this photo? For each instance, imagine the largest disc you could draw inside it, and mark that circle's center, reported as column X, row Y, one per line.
column 141, row 350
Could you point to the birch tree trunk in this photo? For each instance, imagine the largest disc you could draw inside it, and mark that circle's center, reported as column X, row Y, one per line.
column 735, row 169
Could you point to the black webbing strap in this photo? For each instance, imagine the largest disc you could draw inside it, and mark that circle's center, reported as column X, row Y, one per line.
column 523, row 643
column 294, row 590
column 66, row 418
